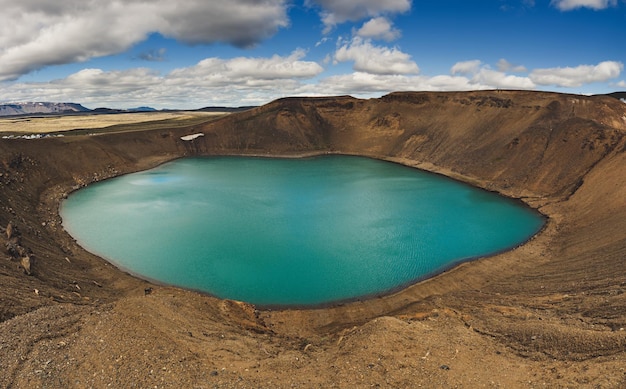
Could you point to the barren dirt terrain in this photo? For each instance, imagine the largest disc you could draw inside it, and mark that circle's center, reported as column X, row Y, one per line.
column 548, row 314
column 51, row 123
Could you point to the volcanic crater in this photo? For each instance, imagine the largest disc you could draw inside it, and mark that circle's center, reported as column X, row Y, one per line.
column 550, row 312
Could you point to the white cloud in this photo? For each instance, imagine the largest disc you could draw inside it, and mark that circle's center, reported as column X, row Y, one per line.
column 466, row 67
column 322, row 41
column 339, row 11
column 39, row 33
column 562, row 77
column 252, row 81
column 118, row 80
column 379, row 28
column 501, row 80
column 450, row 83
column 483, row 75
column 373, row 59
column 366, row 85
column 360, row 83
column 211, row 81
column 505, row 66
column 568, row 5
column 577, row 76
column 245, row 69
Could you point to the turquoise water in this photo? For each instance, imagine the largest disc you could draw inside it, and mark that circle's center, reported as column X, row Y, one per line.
column 291, row 231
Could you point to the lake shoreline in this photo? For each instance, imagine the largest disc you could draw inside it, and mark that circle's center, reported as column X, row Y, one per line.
column 192, row 167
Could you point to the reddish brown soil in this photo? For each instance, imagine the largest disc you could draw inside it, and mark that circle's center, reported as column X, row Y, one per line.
column 550, row 313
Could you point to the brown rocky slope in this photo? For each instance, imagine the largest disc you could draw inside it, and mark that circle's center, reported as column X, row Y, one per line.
column 549, row 313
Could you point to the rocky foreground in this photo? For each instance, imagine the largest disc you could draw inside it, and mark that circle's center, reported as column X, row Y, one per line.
column 551, row 313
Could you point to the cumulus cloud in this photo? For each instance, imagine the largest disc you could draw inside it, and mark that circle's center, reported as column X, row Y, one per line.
column 378, row 28
column 566, row 77
column 39, row 33
column 252, row 81
column 211, row 81
column 505, row 66
column 568, row 5
column 466, row 67
column 339, row 11
column 245, row 69
column 359, row 83
column 576, row 76
column 373, row 59
column 203, row 85
column 501, row 80
column 482, row 74
column 362, row 84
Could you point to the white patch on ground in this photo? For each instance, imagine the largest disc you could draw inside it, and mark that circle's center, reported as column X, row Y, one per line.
column 191, row 137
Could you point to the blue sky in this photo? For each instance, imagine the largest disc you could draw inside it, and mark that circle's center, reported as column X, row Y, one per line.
column 195, row 53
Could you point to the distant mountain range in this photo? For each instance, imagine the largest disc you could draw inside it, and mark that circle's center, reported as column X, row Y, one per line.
column 27, row 108
column 37, row 108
